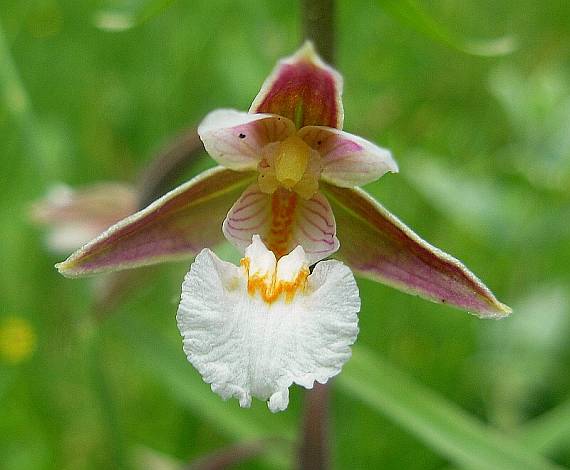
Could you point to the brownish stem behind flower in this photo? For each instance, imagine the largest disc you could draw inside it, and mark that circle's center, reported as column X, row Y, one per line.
column 318, row 26
column 158, row 177
column 112, row 290
column 169, row 164
column 318, row 17
column 163, row 171
column 230, row 456
column 314, row 449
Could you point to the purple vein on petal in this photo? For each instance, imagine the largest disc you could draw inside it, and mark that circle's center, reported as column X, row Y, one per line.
column 311, row 221
column 247, row 217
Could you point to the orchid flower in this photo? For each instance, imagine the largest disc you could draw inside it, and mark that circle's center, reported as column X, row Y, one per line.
column 75, row 216
column 286, row 190
column 375, row 244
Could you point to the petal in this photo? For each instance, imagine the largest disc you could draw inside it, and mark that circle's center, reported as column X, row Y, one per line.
column 347, row 160
column 178, row 225
column 283, row 220
column 246, row 347
column 303, row 89
column 98, row 202
column 76, row 215
column 377, row 245
column 235, row 139
column 64, row 238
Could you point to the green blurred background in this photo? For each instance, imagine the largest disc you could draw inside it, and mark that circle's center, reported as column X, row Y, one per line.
column 89, row 91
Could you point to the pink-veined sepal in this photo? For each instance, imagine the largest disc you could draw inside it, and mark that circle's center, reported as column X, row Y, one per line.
column 176, row 226
column 376, row 245
column 304, row 89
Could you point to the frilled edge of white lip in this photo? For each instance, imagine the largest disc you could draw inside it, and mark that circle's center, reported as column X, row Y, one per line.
column 245, row 346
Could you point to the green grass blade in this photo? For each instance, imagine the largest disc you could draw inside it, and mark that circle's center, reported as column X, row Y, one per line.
column 108, row 407
column 409, row 13
column 444, row 427
column 549, row 431
column 132, row 14
column 15, row 100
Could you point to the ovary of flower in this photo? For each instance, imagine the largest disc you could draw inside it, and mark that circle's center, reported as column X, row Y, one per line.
column 253, row 330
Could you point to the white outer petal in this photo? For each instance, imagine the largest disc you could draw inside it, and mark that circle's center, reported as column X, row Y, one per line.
column 246, row 347
column 235, row 139
column 347, row 160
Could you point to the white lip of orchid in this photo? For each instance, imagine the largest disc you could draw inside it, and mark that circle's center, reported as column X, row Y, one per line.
column 255, row 340
column 290, row 163
column 271, row 279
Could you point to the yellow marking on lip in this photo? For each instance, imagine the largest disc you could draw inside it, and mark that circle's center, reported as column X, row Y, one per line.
column 270, row 288
column 283, row 207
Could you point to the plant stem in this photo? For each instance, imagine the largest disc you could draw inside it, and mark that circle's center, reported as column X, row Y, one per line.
column 168, row 165
column 318, row 26
column 318, row 18
column 314, row 448
column 228, row 457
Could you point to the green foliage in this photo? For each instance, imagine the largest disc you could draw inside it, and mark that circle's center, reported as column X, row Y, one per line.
column 483, row 148
column 441, row 425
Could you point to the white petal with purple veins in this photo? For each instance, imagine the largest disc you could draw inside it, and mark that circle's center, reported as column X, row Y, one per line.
column 235, row 139
column 348, row 160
